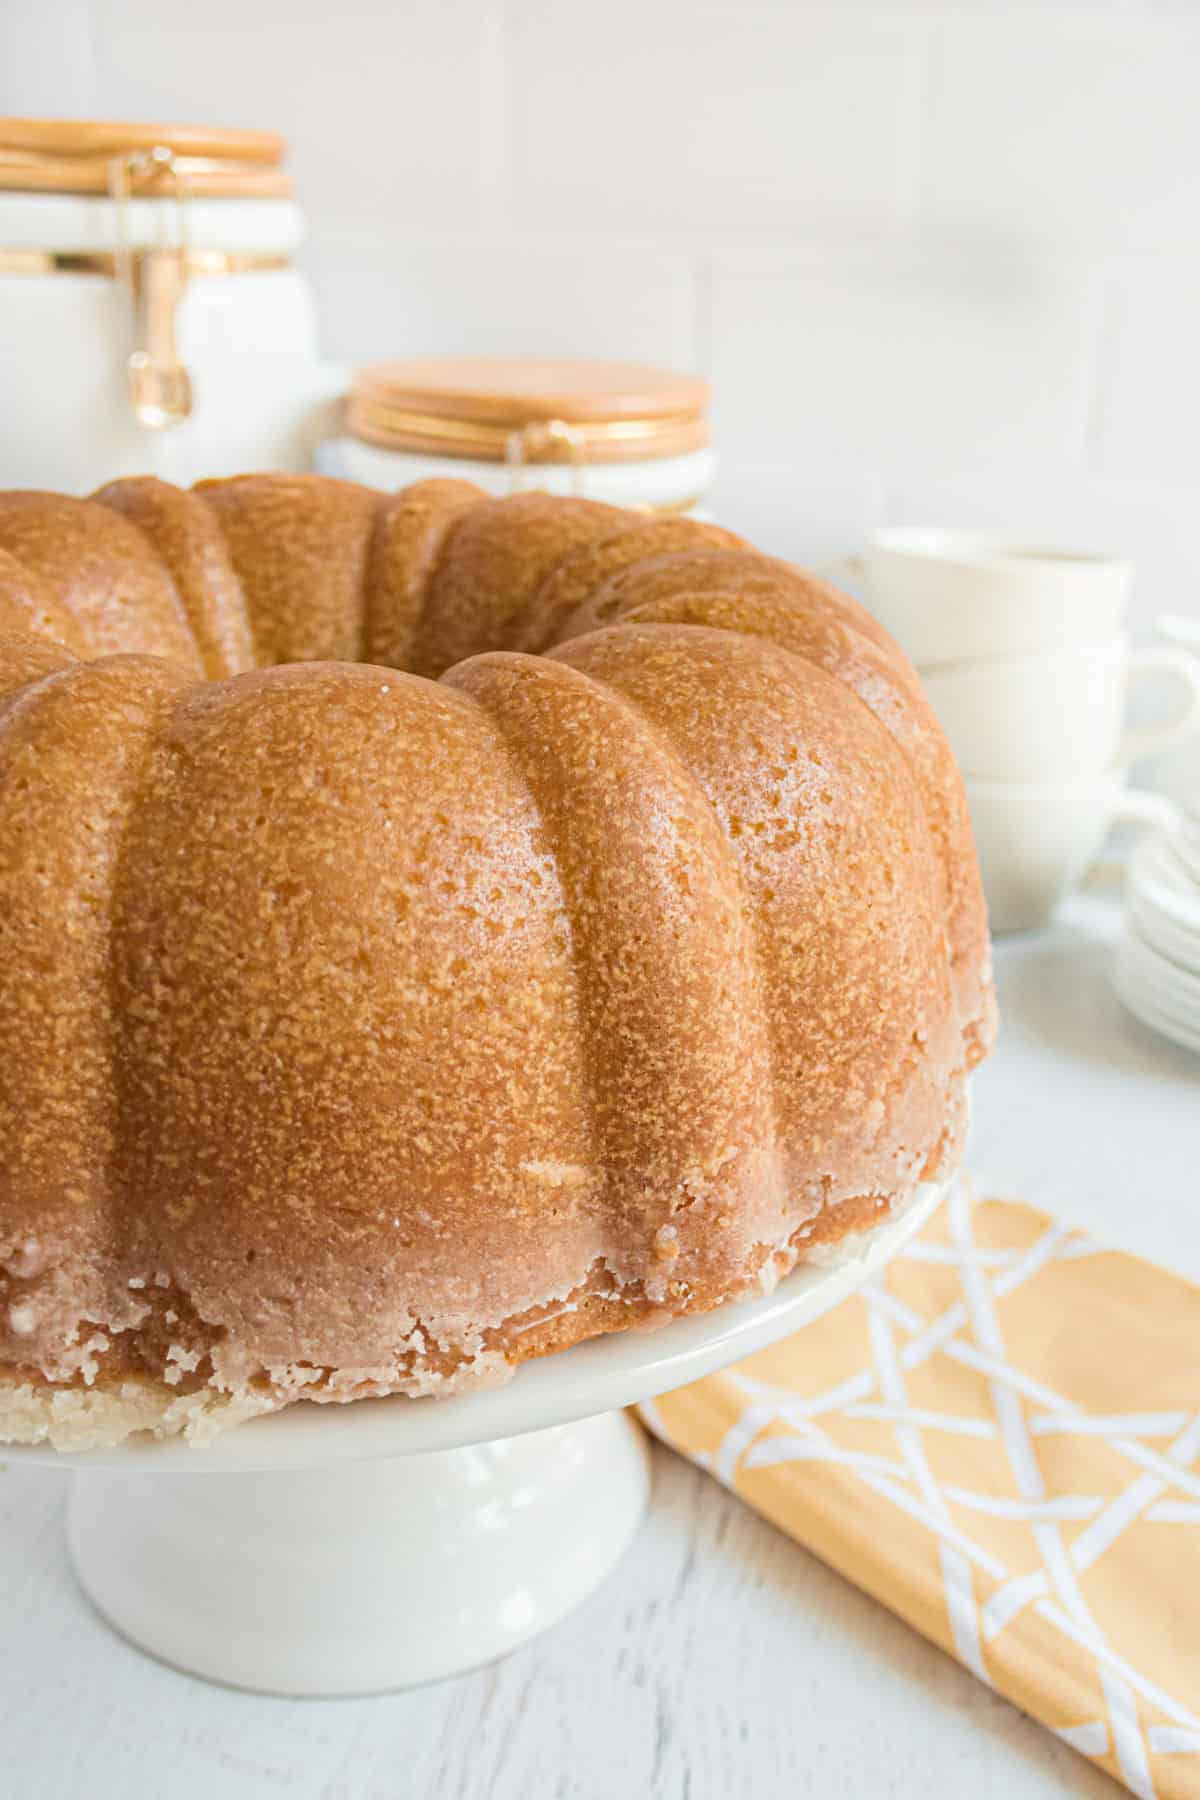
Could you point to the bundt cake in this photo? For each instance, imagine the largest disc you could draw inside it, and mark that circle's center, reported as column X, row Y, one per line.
column 435, row 930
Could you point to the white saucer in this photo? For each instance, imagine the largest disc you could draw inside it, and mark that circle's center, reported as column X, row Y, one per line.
column 361, row 1548
column 1171, row 940
column 1150, row 1014
column 1186, row 847
column 1150, row 987
column 1157, row 968
column 1164, row 882
column 1177, row 986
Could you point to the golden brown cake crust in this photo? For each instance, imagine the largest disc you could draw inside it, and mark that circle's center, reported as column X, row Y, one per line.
column 829, row 640
column 492, row 564
column 28, row 606
column 593, row 563
column 409, row 533
column 366, row 1033
column 299, row 544
column 190, row 543
column 102, row 572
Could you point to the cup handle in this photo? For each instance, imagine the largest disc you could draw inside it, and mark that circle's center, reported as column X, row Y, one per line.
column 1180, row 628
column 1148, row 740
column 1138, row 806
column 1134, row 806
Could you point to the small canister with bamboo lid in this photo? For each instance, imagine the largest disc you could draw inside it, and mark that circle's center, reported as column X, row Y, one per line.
column 619, row 432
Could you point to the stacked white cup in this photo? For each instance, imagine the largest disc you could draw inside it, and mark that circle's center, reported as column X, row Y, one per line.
column 1023, row 655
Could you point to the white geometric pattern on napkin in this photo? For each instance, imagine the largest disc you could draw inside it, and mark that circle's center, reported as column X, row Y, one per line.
column 1163, row 1489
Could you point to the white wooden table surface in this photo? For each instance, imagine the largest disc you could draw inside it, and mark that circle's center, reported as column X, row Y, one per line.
column 720, row 1660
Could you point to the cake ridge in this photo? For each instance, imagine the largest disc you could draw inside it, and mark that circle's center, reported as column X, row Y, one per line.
column 108, row 576
column 491, row 563
column 429, row 511
column 299, row 544
column 667, row 881
column 55, row 997
column 560, row 653
column 172, row 519
column 549, row 610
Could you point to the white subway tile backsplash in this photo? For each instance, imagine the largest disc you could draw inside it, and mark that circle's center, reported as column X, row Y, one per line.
column 930, row 354
column 680, row 118
column 1148, row 397
column 1072, row 127
column 380, row 298
column 381, row 105
column 811, row 510
column 46, row 58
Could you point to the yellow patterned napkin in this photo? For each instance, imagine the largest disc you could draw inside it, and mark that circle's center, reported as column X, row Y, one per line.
column 999, row 1439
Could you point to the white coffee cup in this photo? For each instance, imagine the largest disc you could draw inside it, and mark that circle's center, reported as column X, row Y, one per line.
column 1059, row 714
column 951, row 596
column 1037, row 839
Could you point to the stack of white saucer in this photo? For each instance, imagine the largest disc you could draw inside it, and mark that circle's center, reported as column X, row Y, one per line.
column 1023, row 654
column 1158, row 963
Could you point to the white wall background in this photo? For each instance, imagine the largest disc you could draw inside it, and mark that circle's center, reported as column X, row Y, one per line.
column 941, row 261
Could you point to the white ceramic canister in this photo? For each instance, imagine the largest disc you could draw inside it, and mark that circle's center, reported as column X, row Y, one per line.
column 151, row 319
column 618, row 432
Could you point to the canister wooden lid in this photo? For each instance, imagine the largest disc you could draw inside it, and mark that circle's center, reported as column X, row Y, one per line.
column 529, row 409
column 76, row 156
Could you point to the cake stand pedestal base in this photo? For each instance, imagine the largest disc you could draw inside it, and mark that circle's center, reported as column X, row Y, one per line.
column 361, row 1577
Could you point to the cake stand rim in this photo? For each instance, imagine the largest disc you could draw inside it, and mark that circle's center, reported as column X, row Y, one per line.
column 599, row 1375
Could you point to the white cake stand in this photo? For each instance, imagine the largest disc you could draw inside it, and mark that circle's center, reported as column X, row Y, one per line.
column 353, row 1549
